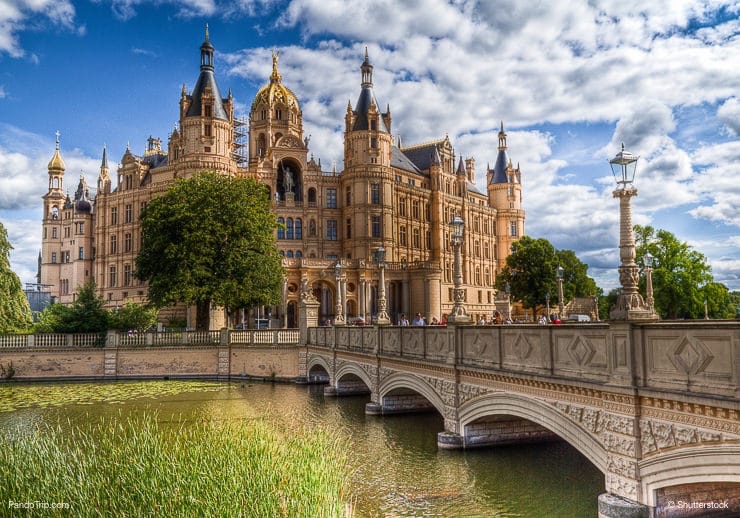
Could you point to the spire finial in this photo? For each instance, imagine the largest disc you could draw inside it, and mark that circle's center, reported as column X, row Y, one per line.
column 57, row 134
column 275, row 77
column 206, row 32
column 366, row 56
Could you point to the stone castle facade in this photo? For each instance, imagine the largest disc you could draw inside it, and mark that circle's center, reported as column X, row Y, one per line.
column 388, row 195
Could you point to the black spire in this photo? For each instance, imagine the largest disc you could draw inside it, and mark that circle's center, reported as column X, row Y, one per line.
column 206, row 53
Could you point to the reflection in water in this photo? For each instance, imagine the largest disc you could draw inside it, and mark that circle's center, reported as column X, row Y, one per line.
column 397, row 468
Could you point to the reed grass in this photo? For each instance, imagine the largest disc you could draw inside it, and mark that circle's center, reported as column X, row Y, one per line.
column 132, row 466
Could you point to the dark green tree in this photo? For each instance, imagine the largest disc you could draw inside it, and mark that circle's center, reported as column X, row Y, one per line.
column 211, row 240
column 85, row 315
column 15, row 313
column 531, row 273
column 133, row 316
column 681, row 275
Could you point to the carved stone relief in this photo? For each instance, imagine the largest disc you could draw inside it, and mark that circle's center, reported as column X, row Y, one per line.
column 656, row 435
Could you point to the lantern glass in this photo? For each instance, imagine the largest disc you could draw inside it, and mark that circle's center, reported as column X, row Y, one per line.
column 380, row 255
column 647, row 260
column 457, row 226
column 560, row 270
column 624, row 167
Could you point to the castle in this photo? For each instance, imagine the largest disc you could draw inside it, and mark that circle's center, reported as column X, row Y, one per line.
column 388, row 195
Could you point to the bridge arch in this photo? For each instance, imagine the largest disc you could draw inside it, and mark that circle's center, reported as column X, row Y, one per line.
column 401, row 381
column 539, row 412
column 353, row 369
column 317, row 361
column 699, row 464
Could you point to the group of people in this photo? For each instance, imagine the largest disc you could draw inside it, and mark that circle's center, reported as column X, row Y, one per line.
column 419, row 320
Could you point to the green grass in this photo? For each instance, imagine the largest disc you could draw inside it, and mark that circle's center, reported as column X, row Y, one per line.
column 135, row 467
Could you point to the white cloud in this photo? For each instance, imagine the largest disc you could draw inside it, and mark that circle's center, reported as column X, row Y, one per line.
column 17, row 16
column 729, row 114
column 3, row 94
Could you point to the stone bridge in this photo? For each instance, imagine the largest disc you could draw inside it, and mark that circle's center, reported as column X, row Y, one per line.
column 654, row 406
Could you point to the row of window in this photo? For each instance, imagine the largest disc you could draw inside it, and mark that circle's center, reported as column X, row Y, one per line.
column 290, row 254
column 128, row 243
column 113, row 276
column 128, row 213
column 486, row 280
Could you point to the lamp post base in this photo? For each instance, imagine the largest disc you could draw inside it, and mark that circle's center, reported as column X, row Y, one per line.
column 632, row 307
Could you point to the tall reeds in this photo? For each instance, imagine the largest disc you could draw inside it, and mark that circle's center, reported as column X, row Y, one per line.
column 134, row 467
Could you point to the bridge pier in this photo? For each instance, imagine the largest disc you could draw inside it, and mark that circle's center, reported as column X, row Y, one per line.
column 347, row 388
column 406, row 403
column 611, row 506
column 496, row 431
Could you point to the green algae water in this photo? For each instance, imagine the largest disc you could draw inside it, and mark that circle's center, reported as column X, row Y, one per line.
column 395, row 468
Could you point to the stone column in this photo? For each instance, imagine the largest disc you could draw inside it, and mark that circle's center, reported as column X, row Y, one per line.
column 361, row 299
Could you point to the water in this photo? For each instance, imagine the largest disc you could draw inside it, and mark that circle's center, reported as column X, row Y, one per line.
column 398, row 470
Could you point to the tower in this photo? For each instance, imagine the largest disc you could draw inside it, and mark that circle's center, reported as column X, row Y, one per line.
column 505, row 194
column 52, row 222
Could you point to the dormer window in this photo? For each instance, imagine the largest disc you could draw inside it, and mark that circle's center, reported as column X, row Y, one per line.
column 278, row 114
column 208, row 110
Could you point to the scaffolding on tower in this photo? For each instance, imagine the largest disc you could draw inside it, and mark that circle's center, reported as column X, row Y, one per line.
column 241, row 141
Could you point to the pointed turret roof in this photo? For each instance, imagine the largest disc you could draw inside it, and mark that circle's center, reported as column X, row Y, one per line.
column 366, row 99
column 460, row 168
column 206, row 80
column 502, row 160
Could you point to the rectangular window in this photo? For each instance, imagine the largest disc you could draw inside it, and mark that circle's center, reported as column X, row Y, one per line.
column 53, row 258
column 331, row 198
column 402, row 207
column 54, row 233
column 512, row 226
column 373, row 143
column 113, row 215
column 66, row 231
column 415, row 209
column 127, row 242
column 81, row 252
column 113, row 244
column 331, row 230
column 402, row 237
column 129, row 213
column 66, row 257
column 82, row 228
column 348, row 197
column 416, row 236
column 112, row 277
column 127, row 275
column 375, row 225
column 207, row 110
column 348, row 234
column 207, row 130
column 375, row 193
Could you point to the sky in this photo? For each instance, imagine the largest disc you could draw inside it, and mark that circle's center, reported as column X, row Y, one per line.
column 571, row 81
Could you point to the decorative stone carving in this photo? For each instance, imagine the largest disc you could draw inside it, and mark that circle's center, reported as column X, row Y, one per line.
column 467, row 392
column 436, row 343
column 656, row 435
column 445, row 389
column 691, row 356
column 622, row 466
column 290, row 141
column 581, row 351
column 620, row 486
column 522, row 349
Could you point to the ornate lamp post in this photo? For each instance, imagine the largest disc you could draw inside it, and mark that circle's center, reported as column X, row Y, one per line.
column 595, row 298
column 458, row 314
column 630, row 305
column 547, row 303
column 383, row 318
column 560, row 271
column 338, row 312
column 706, row 309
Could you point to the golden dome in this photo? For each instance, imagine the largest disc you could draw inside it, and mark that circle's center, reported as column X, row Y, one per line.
column 56, row 163
column 275, row 92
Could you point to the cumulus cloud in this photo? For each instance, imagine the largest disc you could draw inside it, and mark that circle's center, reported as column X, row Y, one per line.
column 729, row 114
column 19, row 15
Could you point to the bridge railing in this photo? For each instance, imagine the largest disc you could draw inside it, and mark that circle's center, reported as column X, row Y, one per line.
column 701, row 357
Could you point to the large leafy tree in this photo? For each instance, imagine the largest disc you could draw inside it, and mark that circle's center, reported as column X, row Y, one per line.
column 85, row 315
column 133, row 316
column 15, row 314
column 210, row 239
column 531, row 273
column 682, row 278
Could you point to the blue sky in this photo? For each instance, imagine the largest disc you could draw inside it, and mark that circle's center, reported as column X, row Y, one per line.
column 570, row 80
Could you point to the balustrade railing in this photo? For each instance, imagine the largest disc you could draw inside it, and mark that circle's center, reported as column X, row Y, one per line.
column 284, row 337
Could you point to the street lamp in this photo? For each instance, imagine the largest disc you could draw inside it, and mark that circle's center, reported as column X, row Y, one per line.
column 547, row 302
column 706, row 309
column 383, row 318
column 595, row 298
column 560, row 271
column 338, row 312
column 630, row 305
column 458, row 315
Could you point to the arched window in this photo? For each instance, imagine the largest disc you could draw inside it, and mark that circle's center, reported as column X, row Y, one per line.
column 261, row 144
column 281, row 228
column 289, row 254
column 298, row 229
column 312, row 195
column 298, row 254
column 289, row 229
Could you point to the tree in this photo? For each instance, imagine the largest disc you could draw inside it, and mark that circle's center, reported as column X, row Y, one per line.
column 15, row 313
column 531, row 273
column 681, row 276
column 211, row 240
column 85, row 315
column 134, row 316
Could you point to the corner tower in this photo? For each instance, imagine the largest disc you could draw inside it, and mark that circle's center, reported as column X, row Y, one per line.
column 206, row 131
column 505, row 195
